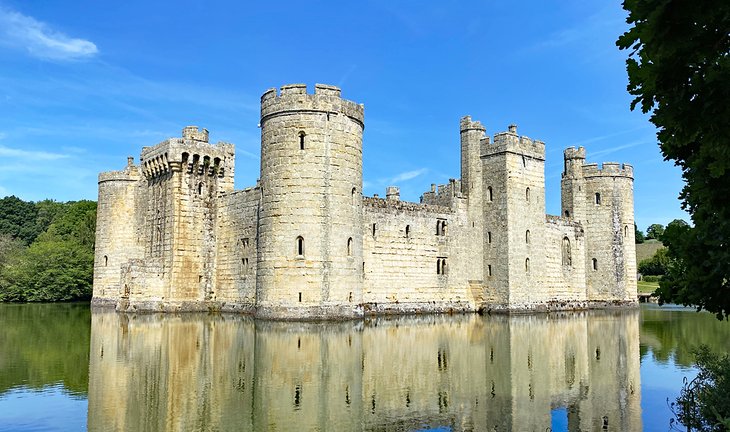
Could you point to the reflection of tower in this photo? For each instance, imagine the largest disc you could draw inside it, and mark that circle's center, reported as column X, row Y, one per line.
column 308, row 376
column 310, row 227
column 165, row 372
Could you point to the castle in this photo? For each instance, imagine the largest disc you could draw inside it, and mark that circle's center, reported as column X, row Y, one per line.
column 304, row 243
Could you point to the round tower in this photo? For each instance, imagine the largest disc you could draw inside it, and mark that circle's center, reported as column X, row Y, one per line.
column 609, row 232
column 572, row 184
column 310, row 224
column 116, row 235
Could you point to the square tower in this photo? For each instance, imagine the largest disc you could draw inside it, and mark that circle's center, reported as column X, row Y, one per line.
column 513, row 173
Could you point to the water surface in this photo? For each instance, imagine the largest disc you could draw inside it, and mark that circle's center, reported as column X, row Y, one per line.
column 64, row 368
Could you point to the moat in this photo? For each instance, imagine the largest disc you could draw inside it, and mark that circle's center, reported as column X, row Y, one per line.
column 63, row 367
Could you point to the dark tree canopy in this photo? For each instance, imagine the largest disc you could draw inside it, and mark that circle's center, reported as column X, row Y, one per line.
column 679, row 70
column 638, row 235
column 654, row 231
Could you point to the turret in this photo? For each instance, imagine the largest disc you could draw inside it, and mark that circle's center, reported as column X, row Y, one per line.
column 310, row 227
column 572, row 194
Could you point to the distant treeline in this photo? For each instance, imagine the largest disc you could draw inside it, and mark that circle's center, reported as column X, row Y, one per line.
column 46, row 250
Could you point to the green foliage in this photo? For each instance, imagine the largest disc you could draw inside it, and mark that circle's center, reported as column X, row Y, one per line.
column 51, row 270
column 654, row 231
column 638, row 235
column 58, row 264
column 704, row 403
column 679, row 70
column 18, row 219
column 651, row 278
column 656, row 265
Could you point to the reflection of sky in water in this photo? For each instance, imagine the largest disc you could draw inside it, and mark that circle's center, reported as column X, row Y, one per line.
column 49, row 409
column 661, row 383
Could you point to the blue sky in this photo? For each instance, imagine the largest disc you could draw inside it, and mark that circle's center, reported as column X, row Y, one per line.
column 83, row 84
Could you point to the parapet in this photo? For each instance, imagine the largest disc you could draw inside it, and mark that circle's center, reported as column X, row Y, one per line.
column 192, row 133
column 171, row 154
column 467, row 124
column 608, row 169
column 443, row 195
column 511, row 142
column 129, row 173
column 294, row 98
column 574, row 153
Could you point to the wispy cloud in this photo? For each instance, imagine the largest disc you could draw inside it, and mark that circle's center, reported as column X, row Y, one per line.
column 30, row 154
column 610, row 150
column 24, row 32
column 408, row 175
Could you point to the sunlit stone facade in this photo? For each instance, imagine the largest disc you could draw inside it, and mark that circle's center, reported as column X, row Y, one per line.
column 304, row 243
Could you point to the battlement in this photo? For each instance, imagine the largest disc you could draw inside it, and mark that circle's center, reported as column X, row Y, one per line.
column 129, row 173
column 442, row 195
column 574, row 153
column 384, row 203
column 511, row 142
column 467, row 124
column 562, row 221
column 192, row 133
column 608, row 169
column 294, row 98
column 193, row 147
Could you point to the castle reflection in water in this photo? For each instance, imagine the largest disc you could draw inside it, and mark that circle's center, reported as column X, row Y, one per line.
column 200, row 372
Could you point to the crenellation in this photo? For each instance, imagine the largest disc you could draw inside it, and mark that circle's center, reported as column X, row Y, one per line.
column 304, row 243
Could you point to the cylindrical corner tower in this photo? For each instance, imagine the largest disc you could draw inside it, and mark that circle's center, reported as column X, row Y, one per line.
column 116, row 235
column 609, row 232
column 310, row 224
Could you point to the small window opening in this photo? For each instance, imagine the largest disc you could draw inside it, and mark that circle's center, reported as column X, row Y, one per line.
column 441, row 266
column 373, row 230
column 567, row 213
column 489, row 237
column 598, row 198
column 440, row 227
column 527, row 194
column 626, row 231
column 527, row 265
column 524, row 161
column 527, row 236
column 106, row 260
column 300, row 297
column 353, row 195
column 408, row 231
column 594, row 264
column 567, row 259
column 200, row 188
column 301, row 140
column 489, row 270
column 349, row 246
column 489, row 193
column 300, row 246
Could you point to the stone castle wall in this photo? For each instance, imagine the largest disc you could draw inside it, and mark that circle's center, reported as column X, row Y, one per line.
column 305, row 244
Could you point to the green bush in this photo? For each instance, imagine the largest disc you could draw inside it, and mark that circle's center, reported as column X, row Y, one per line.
column 704, row 402
column 651, row 278
column 656, row 265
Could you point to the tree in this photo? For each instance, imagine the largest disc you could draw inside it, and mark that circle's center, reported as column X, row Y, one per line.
column 704, row 402
column 657, row 265
column 638, row 235
column 18, row 219
column 654, row 231
column 679, row 70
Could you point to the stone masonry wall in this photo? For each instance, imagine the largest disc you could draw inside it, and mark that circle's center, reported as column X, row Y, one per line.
column 412, row 258
column 237, row 243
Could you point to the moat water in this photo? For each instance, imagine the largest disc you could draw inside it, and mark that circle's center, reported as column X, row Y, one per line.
column 65, row 368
